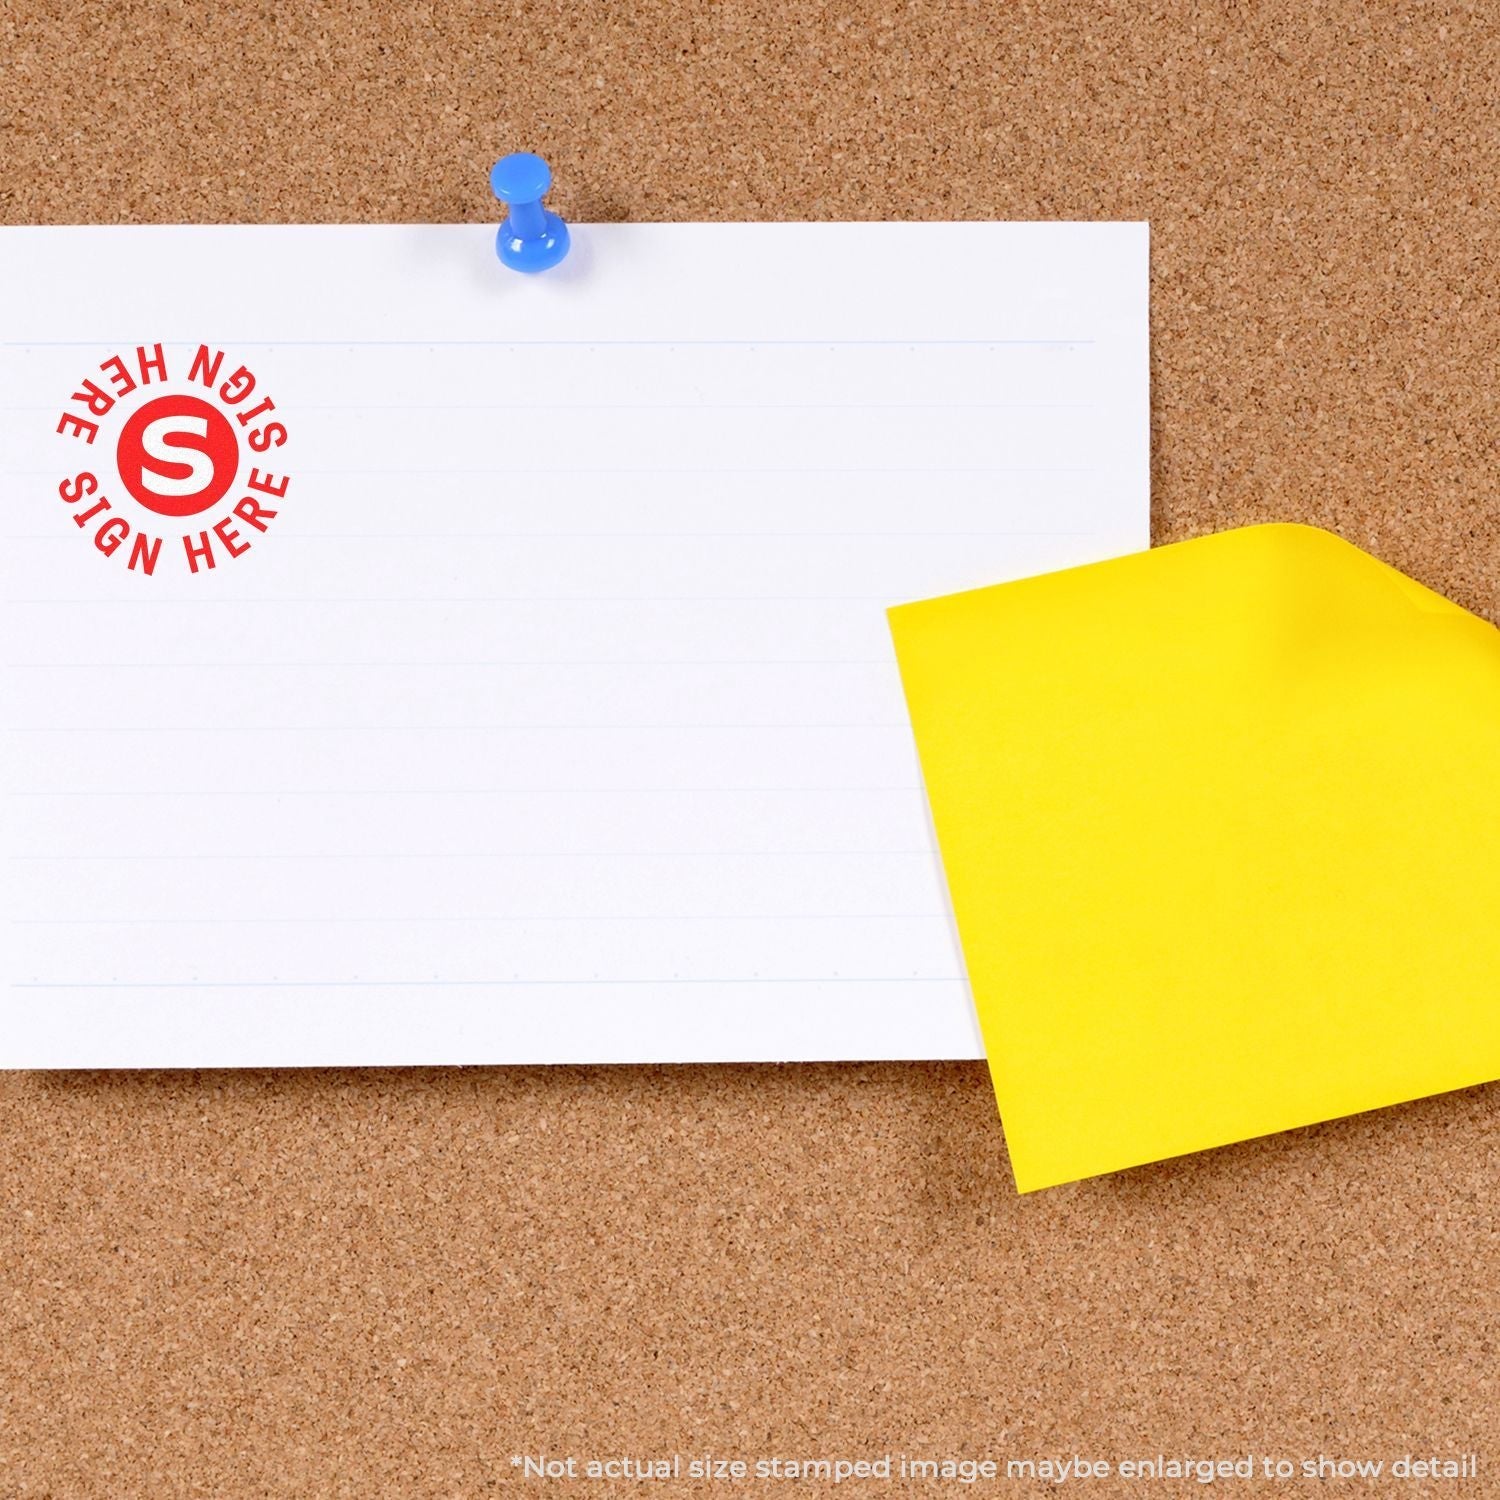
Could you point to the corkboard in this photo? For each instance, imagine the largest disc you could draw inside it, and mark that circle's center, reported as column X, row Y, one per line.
column 387, row 1283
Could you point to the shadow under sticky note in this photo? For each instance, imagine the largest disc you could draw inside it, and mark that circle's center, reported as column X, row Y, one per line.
column 1221, row 828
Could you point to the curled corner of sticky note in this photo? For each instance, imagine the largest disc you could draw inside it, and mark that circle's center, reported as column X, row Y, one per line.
column 1218, row 822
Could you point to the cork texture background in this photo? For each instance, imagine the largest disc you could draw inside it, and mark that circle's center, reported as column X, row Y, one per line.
column 390, row 1282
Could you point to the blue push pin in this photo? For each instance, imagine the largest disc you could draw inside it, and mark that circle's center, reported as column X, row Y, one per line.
column 532, row 238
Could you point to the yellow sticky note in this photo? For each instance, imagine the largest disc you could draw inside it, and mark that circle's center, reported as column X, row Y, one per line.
column 1221, row 826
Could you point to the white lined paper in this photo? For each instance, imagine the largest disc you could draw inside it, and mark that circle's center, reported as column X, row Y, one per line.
column 554, row 717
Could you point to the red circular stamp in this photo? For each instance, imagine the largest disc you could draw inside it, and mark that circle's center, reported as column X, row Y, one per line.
column 178, row 439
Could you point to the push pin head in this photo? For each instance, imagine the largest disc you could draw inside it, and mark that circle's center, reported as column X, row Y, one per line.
column 532, row 238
